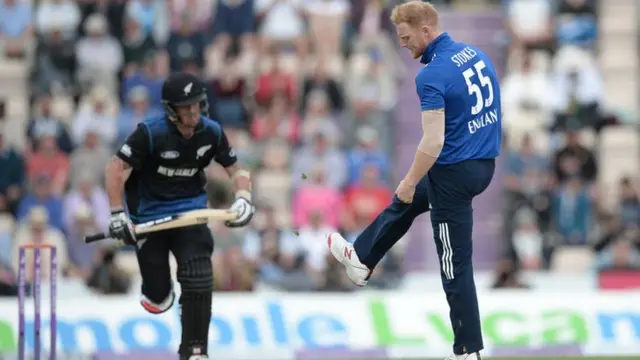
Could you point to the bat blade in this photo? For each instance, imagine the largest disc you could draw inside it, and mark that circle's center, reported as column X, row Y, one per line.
column 189, row 218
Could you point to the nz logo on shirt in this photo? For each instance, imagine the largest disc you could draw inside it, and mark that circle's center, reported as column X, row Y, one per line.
column 202, row 150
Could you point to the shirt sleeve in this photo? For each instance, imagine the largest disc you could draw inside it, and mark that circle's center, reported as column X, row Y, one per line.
column 225, row 155
column 430, row 87
column 137, row 147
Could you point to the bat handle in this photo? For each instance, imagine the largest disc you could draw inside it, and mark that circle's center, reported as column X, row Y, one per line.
column 95, row 237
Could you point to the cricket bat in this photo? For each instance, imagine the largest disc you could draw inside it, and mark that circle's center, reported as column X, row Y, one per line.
column 189, row 218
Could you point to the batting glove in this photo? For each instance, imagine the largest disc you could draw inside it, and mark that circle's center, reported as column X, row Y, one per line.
column 245, row 211
column 121, row 228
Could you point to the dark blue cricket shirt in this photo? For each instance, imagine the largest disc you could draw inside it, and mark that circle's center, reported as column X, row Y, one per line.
column 461, row 79
column 168, row 175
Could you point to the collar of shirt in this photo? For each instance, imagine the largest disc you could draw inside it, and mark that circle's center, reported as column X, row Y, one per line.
column 441, row 41
column 198, row 128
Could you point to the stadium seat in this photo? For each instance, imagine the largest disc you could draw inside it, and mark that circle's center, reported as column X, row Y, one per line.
column 63, row 108
column 17, row 71
column 620, row 89
column 621, row 138
column 17, row 118
column 572, row 259
column 7, row 223
column 618, row 16
column 17, row 106
column 619, row 156
column 619, row 53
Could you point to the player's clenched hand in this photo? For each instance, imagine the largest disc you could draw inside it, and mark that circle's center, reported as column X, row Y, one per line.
column 245, row 211
column 121, row 228
column 405, row 192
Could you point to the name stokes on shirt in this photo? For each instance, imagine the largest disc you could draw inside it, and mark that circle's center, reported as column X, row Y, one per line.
column 467, row 54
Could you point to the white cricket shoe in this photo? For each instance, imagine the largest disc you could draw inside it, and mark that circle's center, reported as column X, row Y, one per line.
column 473, row 356
column 197, row 354
column 344, row 252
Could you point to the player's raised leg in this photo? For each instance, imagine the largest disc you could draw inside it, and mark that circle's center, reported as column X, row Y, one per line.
column 157, row 294
column 193, row 246
column 361, row 258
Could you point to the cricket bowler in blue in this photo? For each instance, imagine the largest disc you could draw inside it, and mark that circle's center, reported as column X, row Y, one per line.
column 455, row 161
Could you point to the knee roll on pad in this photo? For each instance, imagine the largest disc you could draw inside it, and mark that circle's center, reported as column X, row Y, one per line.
column 196, row 275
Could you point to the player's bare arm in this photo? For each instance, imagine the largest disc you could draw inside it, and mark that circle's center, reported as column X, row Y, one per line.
column 427, row 153
column 116, row 174
column 429, row 147
column 242, row 189
column 241, row 179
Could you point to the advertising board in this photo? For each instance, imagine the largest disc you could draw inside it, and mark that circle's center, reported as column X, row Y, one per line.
column 356, row 321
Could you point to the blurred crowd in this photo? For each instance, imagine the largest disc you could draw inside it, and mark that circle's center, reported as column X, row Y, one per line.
column 303, row 89
column 558, row 212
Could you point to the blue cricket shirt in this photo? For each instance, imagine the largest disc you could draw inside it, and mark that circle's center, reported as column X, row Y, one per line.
column 461, row 79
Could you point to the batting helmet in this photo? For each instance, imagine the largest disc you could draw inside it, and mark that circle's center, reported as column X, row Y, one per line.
column 181, row 89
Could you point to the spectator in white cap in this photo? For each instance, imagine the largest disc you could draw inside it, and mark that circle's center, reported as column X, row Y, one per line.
column 97, row 114
column 577, row 89
column 63, row 15
column 36, row 230
column 99, row 54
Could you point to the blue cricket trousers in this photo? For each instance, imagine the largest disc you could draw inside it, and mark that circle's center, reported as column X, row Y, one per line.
column 447, row 191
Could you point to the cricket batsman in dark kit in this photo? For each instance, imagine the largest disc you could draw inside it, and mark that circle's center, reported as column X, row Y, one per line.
column 160, row 170
column 455, row 161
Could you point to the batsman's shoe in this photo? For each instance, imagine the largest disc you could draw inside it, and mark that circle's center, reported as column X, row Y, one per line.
column 154, row 308
column 473, row 356
column 344, row 252
column 197, row 353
